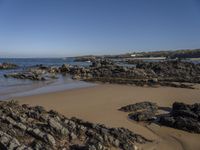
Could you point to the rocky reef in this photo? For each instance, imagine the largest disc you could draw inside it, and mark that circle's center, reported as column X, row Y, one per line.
column 166, row 73
column 182, row 116
column 26, row 128
column 37, row 73
column 8, row 66
column 180, row 71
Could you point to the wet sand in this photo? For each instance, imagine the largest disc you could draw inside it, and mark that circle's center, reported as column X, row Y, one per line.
column 100, row 104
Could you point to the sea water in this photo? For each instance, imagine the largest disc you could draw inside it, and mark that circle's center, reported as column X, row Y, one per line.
column 10, row 87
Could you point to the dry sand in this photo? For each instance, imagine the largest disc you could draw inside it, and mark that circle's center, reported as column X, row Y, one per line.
column 100, row 104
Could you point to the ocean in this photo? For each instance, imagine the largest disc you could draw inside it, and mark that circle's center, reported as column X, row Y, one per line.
column 10, row 87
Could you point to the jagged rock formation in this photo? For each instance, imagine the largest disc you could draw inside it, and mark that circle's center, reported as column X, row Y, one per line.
column 27, row 128
column 142, row 106
column 179, row 71
column 167, row 73
column 143, row 111
column 38, row 73
column 26, row 75
column 184, row 117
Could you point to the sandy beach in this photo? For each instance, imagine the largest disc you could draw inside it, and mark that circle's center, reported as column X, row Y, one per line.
column 100, row 104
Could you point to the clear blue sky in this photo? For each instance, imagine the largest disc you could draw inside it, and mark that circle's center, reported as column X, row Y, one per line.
column 54, row 28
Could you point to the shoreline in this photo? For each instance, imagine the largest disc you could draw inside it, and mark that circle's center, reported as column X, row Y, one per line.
column 100, row 104
column 41, row 88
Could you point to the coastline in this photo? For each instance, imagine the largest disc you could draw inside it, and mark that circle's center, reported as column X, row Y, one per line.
column 37, row 88
column 100, row 104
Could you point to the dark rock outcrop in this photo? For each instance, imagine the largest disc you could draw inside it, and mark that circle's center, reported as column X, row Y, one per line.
column 181, row 116
column 167, row 73
column 27, row 128
column 85, row 59
column 64, row 68
column 143, row 111
column 142, row 116
column 8, row 66
column 26, row 75
column 184, row 117
column 38, row 73
column 148, row 106
column 176, row 71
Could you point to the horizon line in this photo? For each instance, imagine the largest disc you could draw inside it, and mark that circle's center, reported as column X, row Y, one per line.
column 136, row 51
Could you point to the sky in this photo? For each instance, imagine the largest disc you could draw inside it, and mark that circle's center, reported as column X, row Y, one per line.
column 61, row 28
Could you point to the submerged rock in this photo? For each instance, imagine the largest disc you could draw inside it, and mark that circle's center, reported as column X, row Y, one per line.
column 26, row 75
column 8, row 66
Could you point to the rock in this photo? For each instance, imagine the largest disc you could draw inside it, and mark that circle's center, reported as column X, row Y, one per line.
column 167, row 73
column 187, row 124
column 57, row 126
column 39, row 109
column 50, row 130
column 85, row 59
column 184, row 113
column 8, row 142
column 50, row 139
column 154, row 80
column 8, row 66
column 180, row 106
column 151, row 107
column 168, row 121
column 14, row 123
column 183, row 116
column 142, row 116
column 26, row 75
column 76, row 77
column 116, row 143
column 64, row 68
column 23, row 147
column 72, row 136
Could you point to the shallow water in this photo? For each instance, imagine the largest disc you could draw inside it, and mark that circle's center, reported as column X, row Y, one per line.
column 10, row 87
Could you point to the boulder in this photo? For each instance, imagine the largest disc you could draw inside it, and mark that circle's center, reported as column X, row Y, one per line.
column 183, row 116
column 149, row 106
